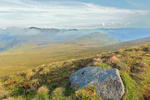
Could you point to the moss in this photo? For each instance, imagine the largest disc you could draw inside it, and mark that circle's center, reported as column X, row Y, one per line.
column 131, row 86
column 103, row 65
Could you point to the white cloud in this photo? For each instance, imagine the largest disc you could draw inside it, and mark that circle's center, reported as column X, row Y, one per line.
column 26, row 13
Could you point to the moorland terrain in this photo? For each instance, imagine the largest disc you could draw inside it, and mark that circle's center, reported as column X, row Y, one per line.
column 38, row 69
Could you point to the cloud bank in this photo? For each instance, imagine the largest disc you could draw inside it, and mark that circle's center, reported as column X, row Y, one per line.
column 67, row 14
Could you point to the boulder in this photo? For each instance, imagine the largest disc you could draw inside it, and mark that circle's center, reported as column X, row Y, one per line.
column 107, row 82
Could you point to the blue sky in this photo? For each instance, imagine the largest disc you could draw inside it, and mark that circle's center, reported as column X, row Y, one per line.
column 75, row 13
column 127, row 4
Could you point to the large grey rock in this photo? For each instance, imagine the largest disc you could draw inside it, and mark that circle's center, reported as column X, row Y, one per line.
column 107, row 82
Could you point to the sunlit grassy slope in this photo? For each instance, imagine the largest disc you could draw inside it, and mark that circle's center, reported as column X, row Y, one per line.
column 51, row 81
column 28, row 57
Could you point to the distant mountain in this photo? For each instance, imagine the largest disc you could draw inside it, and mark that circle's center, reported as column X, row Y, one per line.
column 45, row 30
column 97, row 38
column 8, row 41
column 14, row 37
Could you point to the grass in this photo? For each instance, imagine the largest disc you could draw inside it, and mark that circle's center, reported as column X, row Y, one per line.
column 102, row 65
column 25, row 59
column 28, row 57
column 53, row 77
column 130, row 84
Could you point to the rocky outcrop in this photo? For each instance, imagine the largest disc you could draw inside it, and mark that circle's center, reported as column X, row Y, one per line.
column 107, row 82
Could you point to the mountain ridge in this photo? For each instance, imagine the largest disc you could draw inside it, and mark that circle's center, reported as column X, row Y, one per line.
column 47, row 36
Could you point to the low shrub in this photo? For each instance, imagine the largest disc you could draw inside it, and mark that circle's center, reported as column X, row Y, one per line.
column 88, row 93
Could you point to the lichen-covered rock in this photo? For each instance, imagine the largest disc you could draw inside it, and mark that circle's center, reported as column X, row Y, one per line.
column 107, row 82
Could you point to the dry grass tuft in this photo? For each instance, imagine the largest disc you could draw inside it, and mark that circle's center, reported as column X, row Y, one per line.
column 43, row 89
column 114, row 60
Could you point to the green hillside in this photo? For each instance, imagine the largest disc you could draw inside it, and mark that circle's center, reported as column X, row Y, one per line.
column 18, row 59
column 29, row 56
column 52, row 80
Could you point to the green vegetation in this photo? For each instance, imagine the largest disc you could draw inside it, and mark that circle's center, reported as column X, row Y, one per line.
column 20, row 59
column 51, row 80
column 28, row 57
column 130, row 85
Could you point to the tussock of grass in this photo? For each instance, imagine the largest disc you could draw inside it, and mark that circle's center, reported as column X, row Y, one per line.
column 59, row 94
column 88, row 93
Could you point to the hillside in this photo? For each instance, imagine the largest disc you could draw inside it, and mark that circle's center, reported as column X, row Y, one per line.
column 52, row 80
column 18, row 59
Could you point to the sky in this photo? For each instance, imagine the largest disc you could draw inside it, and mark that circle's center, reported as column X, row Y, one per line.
column 75, row 13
